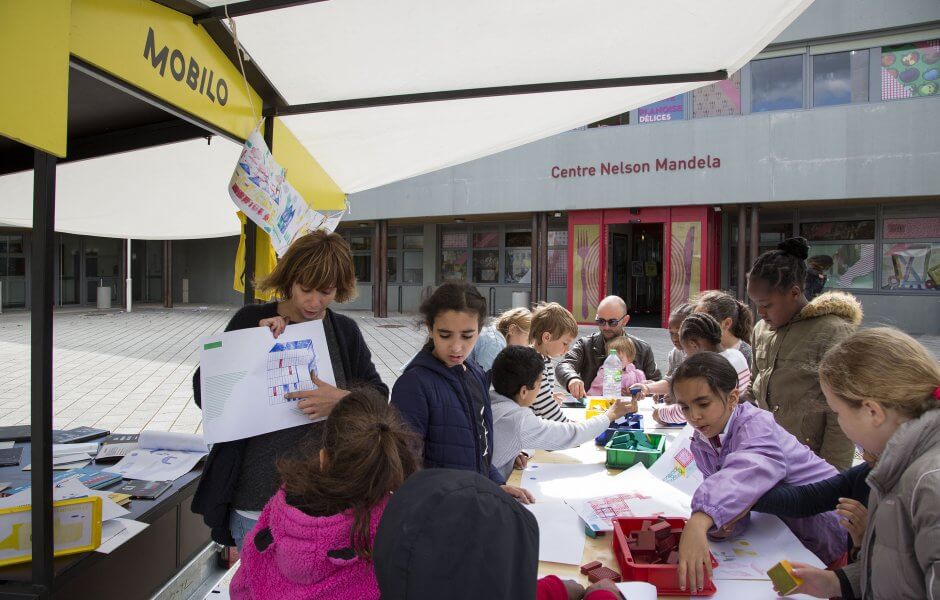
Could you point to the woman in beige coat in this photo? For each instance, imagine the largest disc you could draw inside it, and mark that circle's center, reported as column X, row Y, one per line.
column 898, row 423
column 789, row 343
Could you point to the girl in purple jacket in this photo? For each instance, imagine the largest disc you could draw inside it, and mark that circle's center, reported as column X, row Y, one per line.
column 314, row 538
column 742, row 453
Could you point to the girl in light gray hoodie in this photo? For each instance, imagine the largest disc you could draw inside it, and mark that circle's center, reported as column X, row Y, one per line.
column 896, row 419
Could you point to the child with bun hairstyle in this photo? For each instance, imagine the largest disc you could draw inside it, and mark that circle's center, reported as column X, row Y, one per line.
column 898, row 423
column 735, row 318
column 742, row 454
column 314, row 538
column 788, row 344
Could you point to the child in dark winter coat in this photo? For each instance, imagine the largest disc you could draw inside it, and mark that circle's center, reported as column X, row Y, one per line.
column 314, row 537
column 443, row 396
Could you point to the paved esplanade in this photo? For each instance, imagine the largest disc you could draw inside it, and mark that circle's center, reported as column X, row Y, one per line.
column 128, row 372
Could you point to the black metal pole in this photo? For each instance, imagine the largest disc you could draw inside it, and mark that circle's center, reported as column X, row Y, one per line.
column 41, row 299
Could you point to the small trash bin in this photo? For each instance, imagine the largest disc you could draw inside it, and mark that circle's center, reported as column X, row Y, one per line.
column 521, row 299
column 104, row 297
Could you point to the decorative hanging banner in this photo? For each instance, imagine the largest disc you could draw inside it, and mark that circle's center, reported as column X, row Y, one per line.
column 259, row 188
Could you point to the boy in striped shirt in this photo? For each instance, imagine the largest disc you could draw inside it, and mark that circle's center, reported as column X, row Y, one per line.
column 552, row 331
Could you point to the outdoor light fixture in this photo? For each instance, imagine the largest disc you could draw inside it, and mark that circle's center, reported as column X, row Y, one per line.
column 459, row 220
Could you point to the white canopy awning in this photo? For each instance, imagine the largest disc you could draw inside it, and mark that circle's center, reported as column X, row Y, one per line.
column 355, row 49
column 330, row 51
column 176, row 191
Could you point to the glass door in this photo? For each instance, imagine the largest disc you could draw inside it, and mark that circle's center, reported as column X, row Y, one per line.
column 70, row 270
column 13, row 269
column 102, row 267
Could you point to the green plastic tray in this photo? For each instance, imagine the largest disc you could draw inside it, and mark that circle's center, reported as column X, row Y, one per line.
column 621, row 458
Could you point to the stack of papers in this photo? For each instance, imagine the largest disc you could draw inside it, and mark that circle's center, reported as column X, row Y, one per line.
column 70, row 456
column 162, row 456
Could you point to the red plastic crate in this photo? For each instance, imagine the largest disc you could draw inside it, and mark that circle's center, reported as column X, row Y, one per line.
column 664, row 577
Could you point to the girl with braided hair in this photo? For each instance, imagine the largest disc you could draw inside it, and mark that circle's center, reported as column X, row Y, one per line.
column 700, row 332
column 788, row 344
column 735, row 318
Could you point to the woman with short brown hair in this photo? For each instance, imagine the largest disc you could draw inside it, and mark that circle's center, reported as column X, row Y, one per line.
column 241, row 476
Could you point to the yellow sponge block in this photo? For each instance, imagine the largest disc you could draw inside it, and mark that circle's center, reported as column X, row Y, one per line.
column 781, row 574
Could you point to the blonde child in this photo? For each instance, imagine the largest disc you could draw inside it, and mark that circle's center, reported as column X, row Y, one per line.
column 676, row 354
column 553, row 329
column 899, row 423
column 742, row 453
column 735, row 318
column 510, row 329
column 630, row 375
column 314, row 538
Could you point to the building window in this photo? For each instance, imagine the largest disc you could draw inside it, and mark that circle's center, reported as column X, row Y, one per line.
column 405, row 263
column 360, row 242
column 614, row 121
column 844, row 251
column 558, row 258
column 777, row 83
column 485, row 255
column 13, row 269
column 840, row 78
column 722, row 98
column 910, row 70
column 669, row 109
column 518, row 257
column 910, row 266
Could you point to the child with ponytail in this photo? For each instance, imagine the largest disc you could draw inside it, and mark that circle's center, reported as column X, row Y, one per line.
column 897, row 422
column 735, row 318
column 314, row 537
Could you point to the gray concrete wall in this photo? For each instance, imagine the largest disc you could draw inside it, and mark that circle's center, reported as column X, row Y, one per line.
column 882, row 149
column 210, row 266
column 916, row 315
column 827, row 18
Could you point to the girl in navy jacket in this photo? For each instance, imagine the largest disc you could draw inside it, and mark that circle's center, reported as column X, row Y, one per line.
column 443, row 396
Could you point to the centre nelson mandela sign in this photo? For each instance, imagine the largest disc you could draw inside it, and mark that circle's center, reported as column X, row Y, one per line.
column 666, row 163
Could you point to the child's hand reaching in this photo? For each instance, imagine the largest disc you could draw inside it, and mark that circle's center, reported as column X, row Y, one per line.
column 521, row 461
column 620, row 408
column 521, row 494
column 575, row 590
column 694, row 558
column 606, row 585
column 853, row 516
column 816, row 582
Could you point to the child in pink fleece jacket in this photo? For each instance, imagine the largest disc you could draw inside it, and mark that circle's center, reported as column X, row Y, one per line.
column 630, row 375
column 314, row 537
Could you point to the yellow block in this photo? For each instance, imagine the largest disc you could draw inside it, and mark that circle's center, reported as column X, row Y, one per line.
column 265, row 259
column 162, row 52
column 34, row 60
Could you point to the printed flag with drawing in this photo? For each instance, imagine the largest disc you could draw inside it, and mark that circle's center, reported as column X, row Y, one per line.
column 259, row 188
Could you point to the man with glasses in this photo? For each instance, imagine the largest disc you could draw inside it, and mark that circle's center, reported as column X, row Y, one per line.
column 587, row 354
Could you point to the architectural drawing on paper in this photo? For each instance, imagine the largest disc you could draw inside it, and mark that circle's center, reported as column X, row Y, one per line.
column 289, row 368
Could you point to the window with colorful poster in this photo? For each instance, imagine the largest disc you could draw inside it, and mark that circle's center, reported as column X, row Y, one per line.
column 670, row 109
column 558, row 258
column 925, row 227
column 910, row 70
column 846, row 265
column 910, row 266
column 719, row 99
column 586, row 272
column 685, row 278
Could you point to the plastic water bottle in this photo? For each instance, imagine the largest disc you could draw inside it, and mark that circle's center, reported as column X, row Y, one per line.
column 613, row 372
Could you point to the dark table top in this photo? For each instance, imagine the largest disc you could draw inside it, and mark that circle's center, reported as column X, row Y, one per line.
column 145, row 511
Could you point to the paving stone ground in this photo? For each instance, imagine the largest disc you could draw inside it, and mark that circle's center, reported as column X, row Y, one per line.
column 129, row 372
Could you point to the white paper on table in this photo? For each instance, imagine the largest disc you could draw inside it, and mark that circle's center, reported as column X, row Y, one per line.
column 68, row 466
column 156, row 465
column 116, row 450
column 84, row 448
column 171, row 440
column 6, row 445
column 246, row 373
column 766, row 541
column 637, row 590
column 549, row 481
column 638, row 494
column 751, row 590
column 677, row 465
column 561, row 533
column 129, row 529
